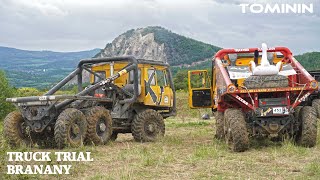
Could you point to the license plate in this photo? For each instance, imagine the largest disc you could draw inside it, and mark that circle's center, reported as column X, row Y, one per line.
column 277, row 110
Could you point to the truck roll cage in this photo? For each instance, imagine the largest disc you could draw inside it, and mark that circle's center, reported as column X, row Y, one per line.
column 81, row 95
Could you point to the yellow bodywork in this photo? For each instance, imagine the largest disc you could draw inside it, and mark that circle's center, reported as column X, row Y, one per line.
column 244, row 61
column 164, row 99
column 198, row 80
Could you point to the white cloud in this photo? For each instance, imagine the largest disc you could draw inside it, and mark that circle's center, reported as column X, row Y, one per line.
column 66, row 25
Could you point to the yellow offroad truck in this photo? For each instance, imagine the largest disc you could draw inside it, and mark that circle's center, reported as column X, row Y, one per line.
column 124, row 95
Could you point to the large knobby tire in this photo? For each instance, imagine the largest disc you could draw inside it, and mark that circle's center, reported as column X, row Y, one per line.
column 14, row 130
column 99, row 125
column 148, row 126
column 219, row 125
column 297, row 112
column 237, row 136
column 307, row 134
column 316, row 105
column 266, row 81
column 70, row 128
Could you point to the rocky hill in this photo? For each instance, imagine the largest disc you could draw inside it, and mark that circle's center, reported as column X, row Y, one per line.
column 42, row 69
column 159, row 44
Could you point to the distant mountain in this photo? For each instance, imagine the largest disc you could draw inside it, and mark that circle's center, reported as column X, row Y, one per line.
column 160, row 44
column 184, row 53
column 39, row 68
column 42, row 69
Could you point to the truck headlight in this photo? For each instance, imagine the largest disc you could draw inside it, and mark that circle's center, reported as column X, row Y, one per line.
column 314, row 84
column 231, row 88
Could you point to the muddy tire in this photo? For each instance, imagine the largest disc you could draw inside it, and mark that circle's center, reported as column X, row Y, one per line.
column 99, row 125
column 266, row 81
column 14, row 130
column 237, row 136
column 297, row 112
column 316, row 106
column 114, row 136
column 148, row 126
column 70, row 128
column 219, row 125
column 307, row 134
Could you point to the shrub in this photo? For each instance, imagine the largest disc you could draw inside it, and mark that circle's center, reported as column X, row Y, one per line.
column 6, row 91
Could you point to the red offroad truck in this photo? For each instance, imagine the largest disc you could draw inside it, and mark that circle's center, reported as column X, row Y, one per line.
column 248, row 105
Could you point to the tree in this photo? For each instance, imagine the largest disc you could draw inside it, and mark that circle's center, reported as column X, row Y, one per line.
column 5, row 91
column 181, row 80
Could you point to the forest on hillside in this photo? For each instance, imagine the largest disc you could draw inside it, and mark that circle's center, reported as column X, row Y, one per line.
column 180, row 49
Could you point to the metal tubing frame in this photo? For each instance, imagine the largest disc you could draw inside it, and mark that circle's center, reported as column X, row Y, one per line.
column 133, row 65
column 106, row 81
column 286, row 53
column 81, row 95
column 54, row 98
column 284, row 50
column 63, row 82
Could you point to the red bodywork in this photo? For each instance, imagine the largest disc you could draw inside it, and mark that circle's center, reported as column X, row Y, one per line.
column 300, row 86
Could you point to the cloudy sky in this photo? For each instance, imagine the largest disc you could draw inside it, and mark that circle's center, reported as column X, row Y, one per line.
column 72, row 25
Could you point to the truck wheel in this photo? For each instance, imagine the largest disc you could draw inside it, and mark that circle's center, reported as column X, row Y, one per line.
column 297, row 112
column 99, row 125
column 14, row 130
column 266, row 81
column 70, row 128
column 307, row 134
column 236, row 131
column 114, row 136
column 148, row 126
column 219, row 125
column 316, row 105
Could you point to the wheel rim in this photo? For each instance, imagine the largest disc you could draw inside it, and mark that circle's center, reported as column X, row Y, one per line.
column 101, row 127
column 75, row 132
column 21, row 127
column 26, row 138
column 150, row 129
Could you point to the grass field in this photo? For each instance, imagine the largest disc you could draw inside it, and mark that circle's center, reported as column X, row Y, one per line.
column 188, row 151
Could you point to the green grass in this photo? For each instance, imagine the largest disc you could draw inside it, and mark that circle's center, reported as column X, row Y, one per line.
column 188, row 124
column 186, row 114
column 188, row 151
column 313, row 169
